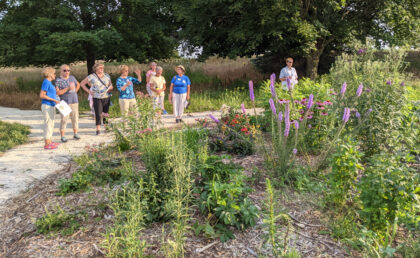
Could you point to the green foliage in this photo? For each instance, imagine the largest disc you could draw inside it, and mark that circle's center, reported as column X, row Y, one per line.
column 69, row 31
column 389, row 190
column 12, row 135
column 343, row 176
column 385, row 128
column 97, row 168
column 223, row 193
column 60, row 221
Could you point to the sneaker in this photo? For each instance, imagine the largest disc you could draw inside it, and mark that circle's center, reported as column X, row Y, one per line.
column 63, row 139
column 98, row 132
column 177, row 120
column 181, row 121
column 55, row 143
column 164, row 112
column 50, row 146
column 76, row 136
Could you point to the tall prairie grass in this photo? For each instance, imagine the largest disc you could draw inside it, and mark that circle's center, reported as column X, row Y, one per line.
column 20, row 87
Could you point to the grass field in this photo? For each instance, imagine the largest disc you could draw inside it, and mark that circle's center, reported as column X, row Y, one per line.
column 19, row 88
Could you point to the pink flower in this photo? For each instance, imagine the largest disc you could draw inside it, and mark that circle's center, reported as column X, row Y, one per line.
column 324, row 113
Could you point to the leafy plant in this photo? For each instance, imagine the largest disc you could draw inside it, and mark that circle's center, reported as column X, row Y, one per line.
column 59, row 221
column 12, row 135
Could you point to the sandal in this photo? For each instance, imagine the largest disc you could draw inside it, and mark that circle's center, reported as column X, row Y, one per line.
column 50, row 147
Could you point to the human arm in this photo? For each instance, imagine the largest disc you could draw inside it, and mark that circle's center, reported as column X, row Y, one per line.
column 83, row 85
column 188, row 92
column 170, row 93
column 138, row 80
column 283, row 75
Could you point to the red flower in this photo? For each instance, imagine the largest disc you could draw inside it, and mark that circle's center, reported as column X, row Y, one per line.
column 244, row 129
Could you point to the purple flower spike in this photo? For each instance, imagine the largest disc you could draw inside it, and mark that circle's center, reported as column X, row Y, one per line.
column 243, row 108
column 346, row 115
column 289, row 84
column 280, row 116
column 294, row 151
column 402, row 84
column 286, row 112
column 357, row 114
column 272, row 106
column 251, row 91
column 214, row 119
column 297, row 125
column 272, row 85
column 389, row 82
column 359, row 90
column 286, row 128
column 310, row 101
column 343, row 88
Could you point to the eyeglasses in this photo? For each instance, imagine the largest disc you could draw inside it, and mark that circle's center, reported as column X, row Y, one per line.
column 290, row 62
column 66, row 70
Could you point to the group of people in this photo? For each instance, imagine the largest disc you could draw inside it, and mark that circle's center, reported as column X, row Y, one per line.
column 99, row 87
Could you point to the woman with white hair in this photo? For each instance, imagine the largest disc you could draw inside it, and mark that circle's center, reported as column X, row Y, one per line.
column 100, row 87
column 124, row 84
column 158, row 87
column 48, row 95
column 68, row 87
column 179, row 92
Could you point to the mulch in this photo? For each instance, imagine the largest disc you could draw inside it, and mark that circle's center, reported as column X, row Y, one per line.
column 18, row 236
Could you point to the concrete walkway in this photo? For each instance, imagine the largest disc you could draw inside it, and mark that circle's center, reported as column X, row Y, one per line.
column 28, row 163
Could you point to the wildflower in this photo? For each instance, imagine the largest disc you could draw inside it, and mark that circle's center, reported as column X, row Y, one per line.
column 296, row 101
column 294, row 151
column 272, row 106
column 346, row 115
column 289, row 84
column 361, row 51
column 301, row 118
column 287, row 128
column 359, row 90
column 324, row 113
column 343, row 88
column 320, row 107
column 301, row 111
column 272, row 85
column 368, row 89
column 286, row 112
column 402, row 84
column 213, row 118
column 327, row 102
column 357, row 114
column 243, row 108
column 369, row 110
column 251, row 91
column 309, row 117
column 389, row 82
column 244, row 129
column 310, row 101
column 309, row 126
column 280, row 116
column 296, row 125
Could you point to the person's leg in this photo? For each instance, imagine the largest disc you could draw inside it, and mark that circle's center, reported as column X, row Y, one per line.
column 63, row 124
column 49, row 114
column 106, row 102
column 97, row 105
column 182, row 99
column 133, row 105
column 124, row 106
column 175, row 100
column 74, row 116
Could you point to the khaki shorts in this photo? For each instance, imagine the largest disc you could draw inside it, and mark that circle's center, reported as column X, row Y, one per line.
column 126, row 105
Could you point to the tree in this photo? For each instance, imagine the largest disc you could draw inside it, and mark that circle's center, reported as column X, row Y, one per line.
column 44, row 32
column 304, row 28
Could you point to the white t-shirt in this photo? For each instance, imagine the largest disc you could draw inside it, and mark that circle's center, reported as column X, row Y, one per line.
column 285, row 72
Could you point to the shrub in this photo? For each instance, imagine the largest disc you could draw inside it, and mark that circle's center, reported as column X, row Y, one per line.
column 389, row 190
column 12, row 135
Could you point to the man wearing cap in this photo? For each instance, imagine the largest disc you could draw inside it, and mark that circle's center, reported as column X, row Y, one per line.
column 179, row 92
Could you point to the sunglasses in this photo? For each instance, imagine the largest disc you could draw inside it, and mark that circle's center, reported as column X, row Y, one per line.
column 66, row 70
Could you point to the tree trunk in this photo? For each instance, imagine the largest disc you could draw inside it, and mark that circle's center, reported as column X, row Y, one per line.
column 90, row 58
column 312, row 60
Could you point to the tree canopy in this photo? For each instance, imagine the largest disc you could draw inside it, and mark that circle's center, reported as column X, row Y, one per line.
column 40, row 32
column 304, row 28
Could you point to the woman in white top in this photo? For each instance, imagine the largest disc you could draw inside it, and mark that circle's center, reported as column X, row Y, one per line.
column 288, row 72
